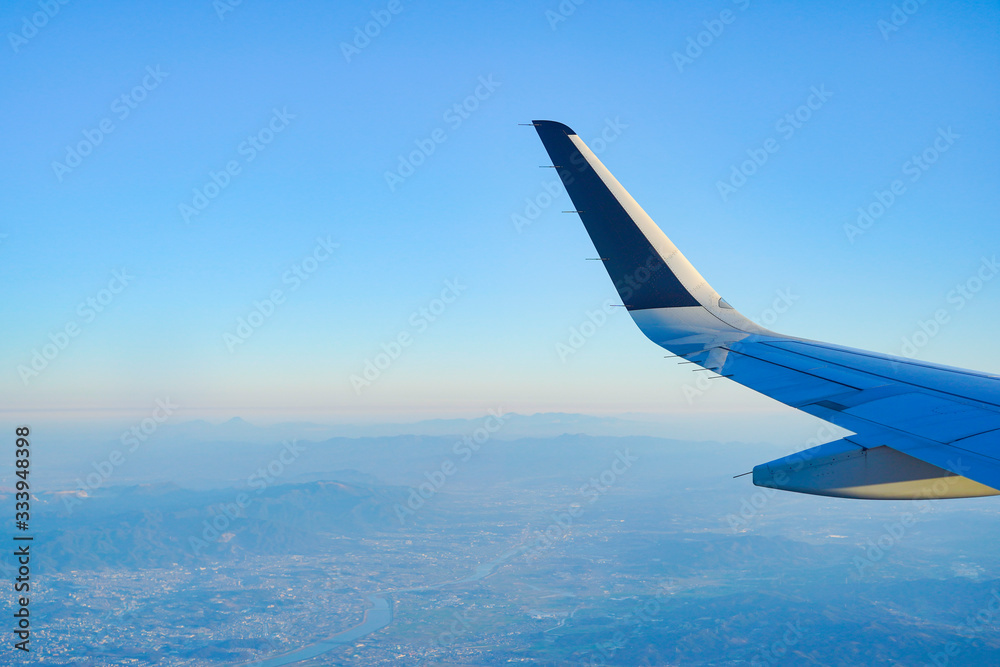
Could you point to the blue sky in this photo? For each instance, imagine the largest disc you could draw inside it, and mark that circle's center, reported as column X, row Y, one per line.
column 329, row 127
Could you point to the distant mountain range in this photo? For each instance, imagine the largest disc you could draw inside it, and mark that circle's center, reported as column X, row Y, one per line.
column 161, row 525
column 515, row 426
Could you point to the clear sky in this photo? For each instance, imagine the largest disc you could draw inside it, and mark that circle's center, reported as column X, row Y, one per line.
column 203, row 149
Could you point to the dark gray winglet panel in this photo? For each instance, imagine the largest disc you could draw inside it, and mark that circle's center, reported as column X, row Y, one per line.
column 641, row 277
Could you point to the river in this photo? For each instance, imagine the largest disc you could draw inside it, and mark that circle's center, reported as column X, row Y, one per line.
column 380, row 615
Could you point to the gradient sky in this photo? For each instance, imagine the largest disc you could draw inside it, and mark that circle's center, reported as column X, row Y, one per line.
column 681, row 131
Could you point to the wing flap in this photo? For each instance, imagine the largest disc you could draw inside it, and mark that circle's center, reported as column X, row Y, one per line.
column 844, row 469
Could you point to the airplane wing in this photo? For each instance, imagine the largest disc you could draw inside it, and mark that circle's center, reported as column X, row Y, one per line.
column 920, row 430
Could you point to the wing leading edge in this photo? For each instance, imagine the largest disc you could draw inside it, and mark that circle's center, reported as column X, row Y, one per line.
column 920, row 430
